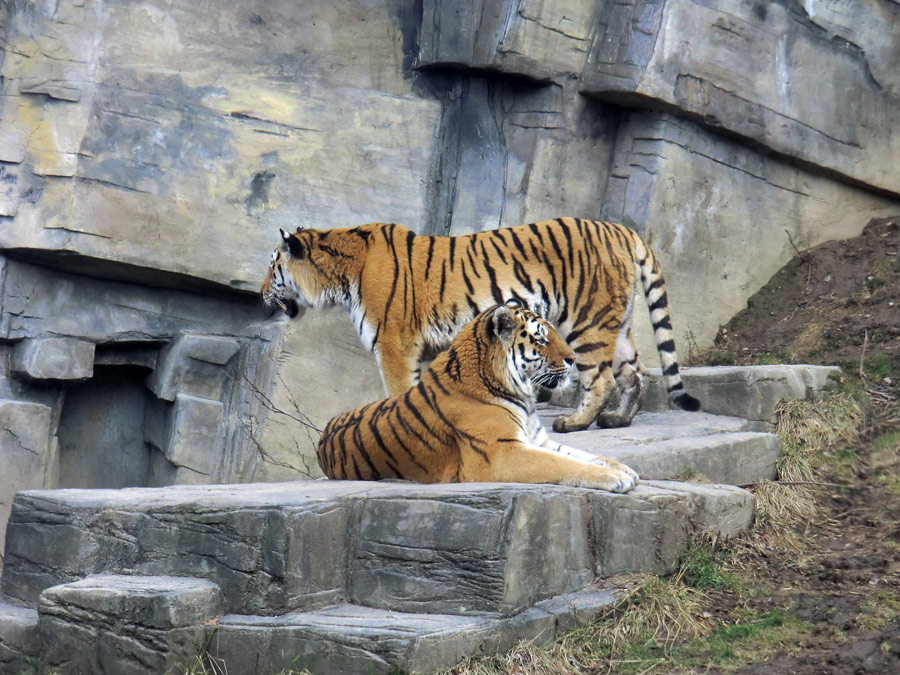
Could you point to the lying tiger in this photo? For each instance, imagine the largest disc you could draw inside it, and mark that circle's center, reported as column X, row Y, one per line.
column 410, row 295
column 472, row 416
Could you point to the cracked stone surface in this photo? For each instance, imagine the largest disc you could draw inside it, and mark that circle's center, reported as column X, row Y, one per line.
column 125, row 624
column 471, row 549
column 362, row 639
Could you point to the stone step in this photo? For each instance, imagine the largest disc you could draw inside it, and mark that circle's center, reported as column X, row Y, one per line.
column 676, row 444
column 466, row 549
column 352, row 639
column 20, row 643
column 751, row 392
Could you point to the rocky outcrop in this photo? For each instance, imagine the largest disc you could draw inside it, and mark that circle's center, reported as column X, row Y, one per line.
column 149, row 152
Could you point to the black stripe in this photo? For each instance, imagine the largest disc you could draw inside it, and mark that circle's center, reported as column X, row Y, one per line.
column 589, row 347
column 418, row 416
column 430, row 254
column 443, row 280
column 471, row 259
column 656, row 284
column 499, row 252
column 495, row 289
column 522, row 276
column 466, row 278
column 565, row 229
column 661, row 303
column 452, row 249
column 518, row 243
column 671, row 370
column 667, row 346
column 663, row 323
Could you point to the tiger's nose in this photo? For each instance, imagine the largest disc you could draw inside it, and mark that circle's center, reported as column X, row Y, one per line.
column 569, row 360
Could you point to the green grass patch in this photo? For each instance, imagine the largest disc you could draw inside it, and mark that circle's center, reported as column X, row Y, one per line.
column 880, row 610
column 776, row 356
column 732, row 646
column 879, row 367
column 701, row 568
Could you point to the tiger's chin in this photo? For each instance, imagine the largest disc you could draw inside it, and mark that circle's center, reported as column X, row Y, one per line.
column 291, row 308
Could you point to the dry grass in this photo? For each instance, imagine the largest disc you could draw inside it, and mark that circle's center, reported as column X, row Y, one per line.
column 651, row 611
column 811, row 434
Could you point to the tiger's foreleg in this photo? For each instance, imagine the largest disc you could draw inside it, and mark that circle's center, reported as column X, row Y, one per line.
column 399, row 367
column 582, row 456
column 522, row 463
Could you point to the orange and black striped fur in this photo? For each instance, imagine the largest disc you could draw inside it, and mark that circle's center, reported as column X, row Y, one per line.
column 410, row 295
column 471, row 417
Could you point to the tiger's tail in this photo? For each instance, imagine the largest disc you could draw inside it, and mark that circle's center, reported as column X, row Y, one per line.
column 657, row 302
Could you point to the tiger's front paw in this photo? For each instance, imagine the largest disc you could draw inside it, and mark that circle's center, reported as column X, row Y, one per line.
column 624, row 481
column 617, row 466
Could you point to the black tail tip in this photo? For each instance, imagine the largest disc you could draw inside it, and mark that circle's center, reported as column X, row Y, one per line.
column 687, row 402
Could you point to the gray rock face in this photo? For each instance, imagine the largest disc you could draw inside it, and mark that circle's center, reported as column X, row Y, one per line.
column 159, row 188
column 758, row 71
column 125, row 624
column 463, row 549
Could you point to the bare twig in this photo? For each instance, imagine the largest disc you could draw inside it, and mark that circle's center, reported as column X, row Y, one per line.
column 862, row 356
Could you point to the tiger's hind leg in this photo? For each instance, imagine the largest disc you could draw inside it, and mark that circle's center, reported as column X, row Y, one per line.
column 630, row 379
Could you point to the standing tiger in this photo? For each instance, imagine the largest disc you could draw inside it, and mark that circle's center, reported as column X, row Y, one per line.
column 472, row 416
column 410, row 295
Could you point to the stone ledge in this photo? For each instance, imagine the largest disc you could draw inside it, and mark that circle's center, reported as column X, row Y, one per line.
column 750, row 392
column 474, row 548
column 351, row 639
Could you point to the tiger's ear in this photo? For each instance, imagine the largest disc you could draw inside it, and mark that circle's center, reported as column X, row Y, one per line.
column 294, row 247
column 502, row 324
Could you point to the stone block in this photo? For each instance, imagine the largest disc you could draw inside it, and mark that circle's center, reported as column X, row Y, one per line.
column 53, row 359
column 192, row 364
column 125, row 624
column 750, row 392
column 196, row 434
column 519, row 547
column 27, row 452
column 539, row 40
column 271, row 548
column 351, row 639
column 476, row 548
column 20, row 641
column 733, row 459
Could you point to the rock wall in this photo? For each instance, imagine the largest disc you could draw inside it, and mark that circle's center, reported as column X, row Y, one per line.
column 150, row 150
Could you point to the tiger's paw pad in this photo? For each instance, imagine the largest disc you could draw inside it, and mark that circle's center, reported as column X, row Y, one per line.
column 565, row 424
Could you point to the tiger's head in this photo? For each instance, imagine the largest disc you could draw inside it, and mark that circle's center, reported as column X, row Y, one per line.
column 535, row 354
column 310, row 268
